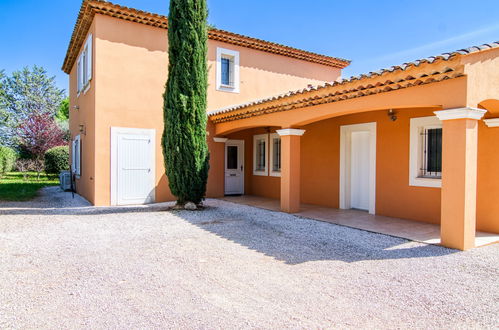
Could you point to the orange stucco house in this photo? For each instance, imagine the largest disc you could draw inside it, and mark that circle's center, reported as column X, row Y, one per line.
column 416, row 141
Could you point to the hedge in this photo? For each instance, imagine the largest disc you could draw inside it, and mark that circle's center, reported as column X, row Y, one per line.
column 57, row 160
column 8, row 158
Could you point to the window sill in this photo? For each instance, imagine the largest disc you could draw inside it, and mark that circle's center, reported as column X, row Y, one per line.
column 260, row 173
column 227, row 88
column 276, row 174
column 426, row 182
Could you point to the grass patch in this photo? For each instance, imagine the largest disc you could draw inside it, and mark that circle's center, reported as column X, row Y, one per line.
column 13, row 187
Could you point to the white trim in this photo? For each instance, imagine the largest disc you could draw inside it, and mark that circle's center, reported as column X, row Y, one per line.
column 264, row 137
column 416, row 125
column 290, row 131
column 235, row 55
column 114, row 157
column 240, row 144
column 271, row 155
column 84, row 69
column 345, row 143
column 460, row 113
column 494, row 122
column 220, row 139
column 76, row 157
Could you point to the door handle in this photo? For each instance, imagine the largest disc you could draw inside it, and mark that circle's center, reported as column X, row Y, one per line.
column 241, row 167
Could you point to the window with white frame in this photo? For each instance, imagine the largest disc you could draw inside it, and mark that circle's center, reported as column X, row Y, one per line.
column 227, row 70
column 84, row 67
column 76, row 156
column 275, row 154
column 425, row 168
column 260, row 143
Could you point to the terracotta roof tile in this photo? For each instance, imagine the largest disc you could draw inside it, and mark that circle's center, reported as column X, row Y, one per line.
column 353, row 86
column 91, row 7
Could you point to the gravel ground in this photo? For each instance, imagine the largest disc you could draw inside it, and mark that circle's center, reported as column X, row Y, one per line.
column 64, row 264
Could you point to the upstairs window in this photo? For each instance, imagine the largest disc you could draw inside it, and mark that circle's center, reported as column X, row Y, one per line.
column 227, row 70
column 227, row 65
column 84, row 67
column 425, row 160
column 260, row 143
column 275, row 154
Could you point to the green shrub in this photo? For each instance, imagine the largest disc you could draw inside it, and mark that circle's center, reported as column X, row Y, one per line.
column 57, row 160
column 7, row 159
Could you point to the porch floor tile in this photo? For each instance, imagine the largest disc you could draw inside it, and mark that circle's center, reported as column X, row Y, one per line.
column 412, row 230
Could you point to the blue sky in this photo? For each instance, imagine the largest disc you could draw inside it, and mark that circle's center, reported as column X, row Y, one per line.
column 373, row 34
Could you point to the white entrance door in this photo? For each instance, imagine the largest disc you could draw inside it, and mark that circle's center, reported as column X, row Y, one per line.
column 234, row 167
column 359, row 170
column 358, row 167
column 132, row 166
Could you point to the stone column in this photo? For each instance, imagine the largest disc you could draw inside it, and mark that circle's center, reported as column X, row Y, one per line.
column 290, row 169
column 459, row 176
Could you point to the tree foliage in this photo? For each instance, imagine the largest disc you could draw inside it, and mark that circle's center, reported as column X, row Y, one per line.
column 184, row 138
column 63, row 110
column 38, row 133
column 7, row 159
column 25, row 92
column 57, row 160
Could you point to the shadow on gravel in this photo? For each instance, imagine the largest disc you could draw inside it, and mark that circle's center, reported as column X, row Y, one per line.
column 285, row 237
column 296, row 240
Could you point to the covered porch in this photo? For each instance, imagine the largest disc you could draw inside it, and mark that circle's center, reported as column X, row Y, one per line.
column 404, row 143
column 412, row 230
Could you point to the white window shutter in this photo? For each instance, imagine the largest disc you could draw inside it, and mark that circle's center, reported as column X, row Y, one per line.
column 78, row 156
column 73, row 157
column 78, row 75
column 89, row 58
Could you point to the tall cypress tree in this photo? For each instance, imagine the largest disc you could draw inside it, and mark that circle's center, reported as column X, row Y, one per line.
column 184, row 144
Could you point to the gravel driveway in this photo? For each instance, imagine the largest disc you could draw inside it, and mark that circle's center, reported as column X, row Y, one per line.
column 64, row 264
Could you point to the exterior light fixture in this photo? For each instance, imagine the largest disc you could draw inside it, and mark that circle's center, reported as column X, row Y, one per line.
column 76, row 107
column 392, row 115
column 82, row 129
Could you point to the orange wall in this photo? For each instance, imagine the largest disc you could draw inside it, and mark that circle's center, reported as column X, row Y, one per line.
column 320, row 166
column 130, row 71
column 488, row 179
column 85, row 116
column 394, row 196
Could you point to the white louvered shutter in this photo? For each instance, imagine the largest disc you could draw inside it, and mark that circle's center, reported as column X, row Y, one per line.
column 88, row 58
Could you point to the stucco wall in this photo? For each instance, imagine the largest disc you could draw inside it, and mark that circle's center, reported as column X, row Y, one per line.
column 130, row 71
column 488, row 179
column 85, row 116
column 320, row 168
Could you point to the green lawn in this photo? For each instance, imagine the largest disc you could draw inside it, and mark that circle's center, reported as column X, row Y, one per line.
column 14, row 188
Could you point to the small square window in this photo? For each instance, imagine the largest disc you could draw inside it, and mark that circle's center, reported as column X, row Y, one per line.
column 431, row 164
column 425, row 159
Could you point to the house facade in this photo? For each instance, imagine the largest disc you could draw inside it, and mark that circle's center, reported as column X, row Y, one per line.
column 416, row 141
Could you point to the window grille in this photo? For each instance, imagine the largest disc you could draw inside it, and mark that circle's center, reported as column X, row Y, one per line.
column 260, row 155
column 276, row 157
column 431, row 165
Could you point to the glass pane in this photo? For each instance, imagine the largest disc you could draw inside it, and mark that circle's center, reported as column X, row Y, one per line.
column 434, row 150
column 260, row 155
column 232, row 158
column 225, row 71
column 276, row 157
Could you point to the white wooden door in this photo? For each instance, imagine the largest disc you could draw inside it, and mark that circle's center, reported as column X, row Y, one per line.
column 234, row 167
column 359, row 170
column 133, row 170
column 358, row 167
